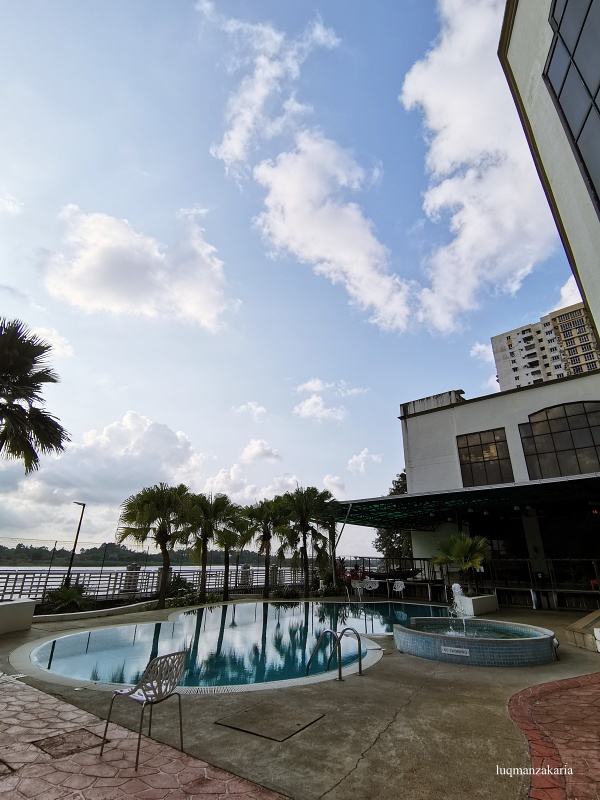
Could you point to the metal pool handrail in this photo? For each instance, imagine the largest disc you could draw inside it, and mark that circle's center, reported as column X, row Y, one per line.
column 357, row 634
column 339, row 652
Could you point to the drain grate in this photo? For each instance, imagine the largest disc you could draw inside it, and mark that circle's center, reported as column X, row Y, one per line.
column 66, row 744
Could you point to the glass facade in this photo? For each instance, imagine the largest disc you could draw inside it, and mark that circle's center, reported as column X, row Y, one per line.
column 572, row 73
column 562, row 440
column 484, row 458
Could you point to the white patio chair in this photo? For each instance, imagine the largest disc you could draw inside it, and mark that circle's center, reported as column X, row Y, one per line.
column 398, row 587
column 158, row 683
column 370, row 585
column 357, row 587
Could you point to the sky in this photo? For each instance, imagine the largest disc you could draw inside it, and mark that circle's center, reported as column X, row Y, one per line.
column 250, row 230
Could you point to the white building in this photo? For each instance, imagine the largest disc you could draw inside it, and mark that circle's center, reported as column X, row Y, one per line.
column 560, row 344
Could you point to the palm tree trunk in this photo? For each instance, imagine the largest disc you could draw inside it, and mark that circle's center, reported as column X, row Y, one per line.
column 267, row 583
column 203, row 562
column 165, row 577
column 304, row 556
column 226, row 576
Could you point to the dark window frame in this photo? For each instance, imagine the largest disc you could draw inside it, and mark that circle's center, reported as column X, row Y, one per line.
column 483, row 457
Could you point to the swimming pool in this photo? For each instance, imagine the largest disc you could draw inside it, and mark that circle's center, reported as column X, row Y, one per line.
column 237, row 645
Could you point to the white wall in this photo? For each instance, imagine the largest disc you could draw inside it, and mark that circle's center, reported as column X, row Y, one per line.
column 430, row 451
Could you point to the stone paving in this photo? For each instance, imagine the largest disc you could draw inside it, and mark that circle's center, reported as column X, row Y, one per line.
column 33, row 725
column 561, row 719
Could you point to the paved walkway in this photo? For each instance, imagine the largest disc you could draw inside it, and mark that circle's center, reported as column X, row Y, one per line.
column 50, row 749
column 561, row 719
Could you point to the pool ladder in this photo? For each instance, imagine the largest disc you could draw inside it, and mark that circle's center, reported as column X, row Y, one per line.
column 337, row 647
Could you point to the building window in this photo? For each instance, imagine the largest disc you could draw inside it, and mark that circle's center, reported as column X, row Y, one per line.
column 484, row 458
column 585, row 348
column 572, row 74
column 577, row 370
column 585, row 338
column 592, row 365
column 569, row 342
column 562, row 440
column 560, row 374
column 575, row 360
column 572, row 351
column 589, row 356
column 555, row 358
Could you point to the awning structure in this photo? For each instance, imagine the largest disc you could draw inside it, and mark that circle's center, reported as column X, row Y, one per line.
column 428, row 510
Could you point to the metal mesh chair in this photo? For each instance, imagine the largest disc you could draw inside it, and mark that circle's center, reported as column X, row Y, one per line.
column 370, row 585
column 398, row 587
column 158, row 683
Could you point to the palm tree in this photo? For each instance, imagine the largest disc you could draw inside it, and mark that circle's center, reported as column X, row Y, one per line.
column 25, row 429
column 267, row 516
column 467, row 552
column 205, row 517
column 156, row 512
column 235, row 532
column 307, row 511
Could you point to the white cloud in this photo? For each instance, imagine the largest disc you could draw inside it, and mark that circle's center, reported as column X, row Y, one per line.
column 256, row 109
column 61, row 347
column 358, row 462
column 307, row 216
column 314, row 408
column 314, row 385
column 483, row 182
column 335, row 485
column 569, row 294
column 258, row 450
column 230, row 481
column 10, row 205
column 482, row 352
column 255, row 410
column 341, row 388
column 491, row 384
column 102, row 470
column 112, row 268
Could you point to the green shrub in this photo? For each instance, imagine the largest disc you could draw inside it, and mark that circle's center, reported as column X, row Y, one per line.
column 66, row 600
column 285, row 592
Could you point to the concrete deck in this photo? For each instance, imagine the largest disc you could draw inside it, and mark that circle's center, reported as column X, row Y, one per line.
column 407, row 728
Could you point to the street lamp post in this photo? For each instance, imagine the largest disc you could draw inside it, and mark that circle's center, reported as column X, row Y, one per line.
column 67, row 581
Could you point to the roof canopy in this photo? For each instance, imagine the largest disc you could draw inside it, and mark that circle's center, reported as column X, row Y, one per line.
column 426, row 511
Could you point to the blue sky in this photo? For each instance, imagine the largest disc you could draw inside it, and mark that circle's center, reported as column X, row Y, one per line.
column 251, row 230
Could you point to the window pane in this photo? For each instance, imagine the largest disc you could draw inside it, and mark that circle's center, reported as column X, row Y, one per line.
column 493, row 472
column 467, row 477
column 538, row 416
column 556, row 412
column 578, row 421
column 592, row 407
column 475, row 453
column 587, row 54
column 544, row 444
column 568, row 463
column 502, row 449
column 572, row 20
column 588, row 147
column 487, row 436
column 588, row 460
column 559, row 64
column 472, row 438
column 489, row 452
column 500, row 435
column 540, row 427
column 596, row 434
column 463, row 455
column 549, row 465
column 559, row 7
column 529, row 445
column 533, row 468
column 582, row 438
column 479, row 476
column 559, row 425
column 575, row 101
column 574, row 408
column 563, row 441
column 525, row 429
column 506, row 470
column 461, row 441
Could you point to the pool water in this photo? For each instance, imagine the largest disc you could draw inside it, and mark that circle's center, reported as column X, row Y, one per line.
column 228, row 645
